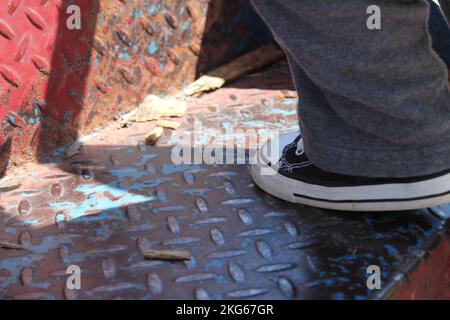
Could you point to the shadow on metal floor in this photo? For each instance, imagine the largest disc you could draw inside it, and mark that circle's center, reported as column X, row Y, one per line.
column 102, row 208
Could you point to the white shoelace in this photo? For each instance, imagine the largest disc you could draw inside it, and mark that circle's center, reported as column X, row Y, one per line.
column 300, row 148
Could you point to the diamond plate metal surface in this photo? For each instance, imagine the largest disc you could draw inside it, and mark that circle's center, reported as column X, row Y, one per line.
column 102, row 208
column 56, row 82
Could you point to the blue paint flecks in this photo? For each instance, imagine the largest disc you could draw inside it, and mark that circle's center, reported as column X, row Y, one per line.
column 14, row 266
column 172, row 168
column 328, row 282
column 290, row 101
column 391, row 249
column 145, row 157
column 128, row 172
column 284, row 113
column 96, row 201
column 11, row 230
column 152, row 48
column 29, row 222
column 124, row 56
column 339, row 296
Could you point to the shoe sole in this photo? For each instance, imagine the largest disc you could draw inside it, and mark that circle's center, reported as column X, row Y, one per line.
column 385, row 197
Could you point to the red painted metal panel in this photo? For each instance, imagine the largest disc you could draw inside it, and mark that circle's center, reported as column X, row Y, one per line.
column 431, row 279
column 56, row 82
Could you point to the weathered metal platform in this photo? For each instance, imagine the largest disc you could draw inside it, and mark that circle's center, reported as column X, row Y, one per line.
column 101, row 208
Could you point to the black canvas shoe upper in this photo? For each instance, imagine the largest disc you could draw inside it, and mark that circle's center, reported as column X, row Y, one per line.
column 295, row 164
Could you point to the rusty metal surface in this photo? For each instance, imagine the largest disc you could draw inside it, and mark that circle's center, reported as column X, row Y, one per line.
column 431, row 280
column 102, row 208
column 56, row 83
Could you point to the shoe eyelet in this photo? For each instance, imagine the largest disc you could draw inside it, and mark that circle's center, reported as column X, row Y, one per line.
column 298, row 152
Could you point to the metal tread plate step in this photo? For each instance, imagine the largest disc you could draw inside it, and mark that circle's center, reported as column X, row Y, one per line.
column 104, row 207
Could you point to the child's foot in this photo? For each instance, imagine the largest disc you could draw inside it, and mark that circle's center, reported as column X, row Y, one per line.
column 292, row 177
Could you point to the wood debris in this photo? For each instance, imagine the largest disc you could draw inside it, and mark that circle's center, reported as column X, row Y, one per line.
column 204, row 84
column 289, row 94
column 170, row 255
column 154, row 108
column 168, row 124
column 8, row 245
column 244, row 64
column 154, row 135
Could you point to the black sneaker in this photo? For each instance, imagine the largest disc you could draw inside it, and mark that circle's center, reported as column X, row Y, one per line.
column 282, row 169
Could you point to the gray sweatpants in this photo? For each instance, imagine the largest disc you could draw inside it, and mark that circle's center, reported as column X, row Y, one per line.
column 372, row 102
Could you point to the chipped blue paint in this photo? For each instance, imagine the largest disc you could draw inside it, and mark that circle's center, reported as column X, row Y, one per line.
column 172, row 168
column 341, row 268
column 96, row 203
column 349, row 257
column 29, row 222
column 184, row 25
column 60, row 217
column 154, row 8
column 124, row 56
column 212, row 264
column 77, row 257
column 52, row 242
column 11, row 230
column 144, row 158
column 283, row 112
column 328, row 282
column 141, row 186
column 101, row 232
column 227, row 126
column 197, row 191
column 40, row 285
column 14, row 266
column 128, row 172
column 137, row 14
column 26, row 195
column 169, row 209
column 152, row 47
column 87, row 137
column 290, row 101
column 265, row 125
column 339, row 296
column 391, row 249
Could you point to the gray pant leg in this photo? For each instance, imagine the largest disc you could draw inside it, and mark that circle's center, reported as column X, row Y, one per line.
column 375, row 102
